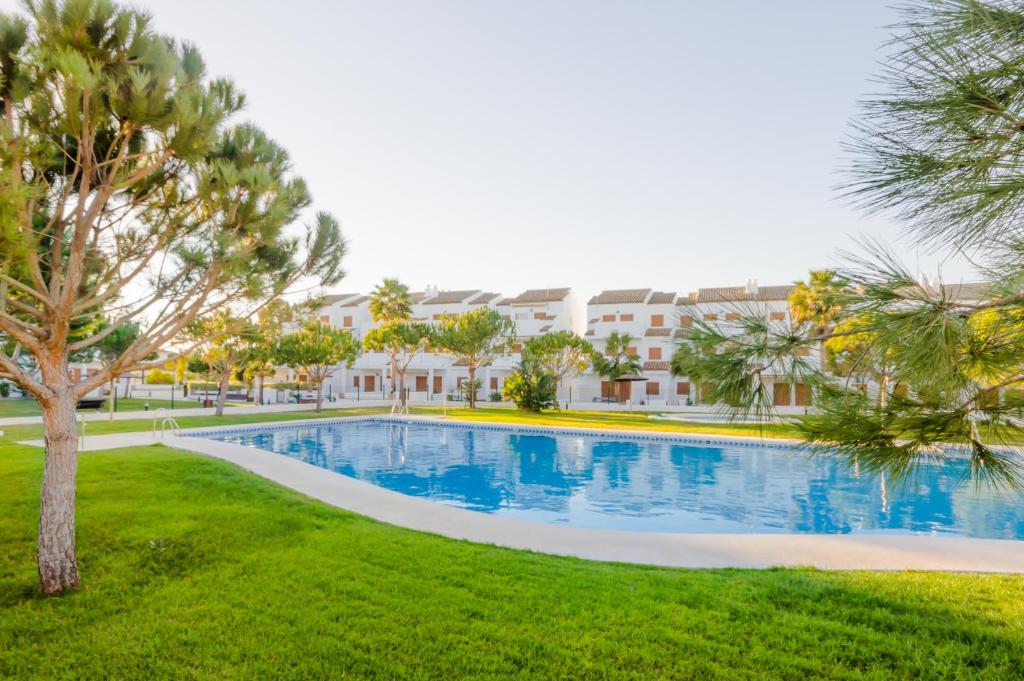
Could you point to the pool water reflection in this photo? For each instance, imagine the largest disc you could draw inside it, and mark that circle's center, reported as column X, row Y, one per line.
column 614, row 482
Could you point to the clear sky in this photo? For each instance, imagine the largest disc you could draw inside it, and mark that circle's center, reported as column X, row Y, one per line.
column 584, row 143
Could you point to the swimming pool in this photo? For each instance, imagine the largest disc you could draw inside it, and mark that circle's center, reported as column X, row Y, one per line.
column 646, row 483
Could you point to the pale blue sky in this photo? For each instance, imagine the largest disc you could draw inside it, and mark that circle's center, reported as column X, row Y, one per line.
column 582, row 143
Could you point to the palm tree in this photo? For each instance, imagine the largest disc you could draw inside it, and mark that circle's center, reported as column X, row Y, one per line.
column 390, row 302
column 617, row 361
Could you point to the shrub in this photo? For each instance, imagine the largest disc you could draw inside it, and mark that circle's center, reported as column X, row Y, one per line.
column 496, row 396
column 159, row 377
column 531, row 390
column 5, row 389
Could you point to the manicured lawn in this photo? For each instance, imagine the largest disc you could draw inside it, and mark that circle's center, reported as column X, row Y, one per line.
column 193, row 568
column 618, row 420
column 11, row 408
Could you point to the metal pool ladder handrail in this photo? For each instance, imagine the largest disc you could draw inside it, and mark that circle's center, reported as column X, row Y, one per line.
column 165, row 421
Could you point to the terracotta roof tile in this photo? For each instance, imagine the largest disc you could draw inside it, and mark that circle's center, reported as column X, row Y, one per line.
column 484, row 298
column 658, row 331
column 545, row 328
column 538, row 295
column 334, row 298
column 355, row 302
column 662, row 298
column 451, row 297
column 656, row 366
column 620, row 296
column 736, row 294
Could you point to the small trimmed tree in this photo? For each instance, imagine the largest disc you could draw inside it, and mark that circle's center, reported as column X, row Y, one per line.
column 401, row 341
column 475, row 338
column 111, row 348
column 318, row 350
column 562, row 354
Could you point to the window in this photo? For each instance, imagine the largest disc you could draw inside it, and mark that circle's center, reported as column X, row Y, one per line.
column 802, row 352
column 653, row 388
column 631, row 351
column 369, row 383
column 517, row 348
column 710, row 316
column 458, row 382
column 686, row 321
column 732, row 316
column 803, row 395
column 303, row 378
column 76, row 374
column 494, row 382
column 607, row 318
column 421, row 384
column 355, row 381
column 683, row 388
column 780, row 394
column 657, row 320
column 347, row 321
column 778, row 316
column 628, row 317
column 653, row 353
column 540, row 315
column 325, row 319
column 436, row 317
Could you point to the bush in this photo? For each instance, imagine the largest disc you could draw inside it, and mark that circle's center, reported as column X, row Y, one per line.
column 5, row 389
column 283, row 385
column 495, row 396
column 531, row 390
column 214, row 387
column 159, row 377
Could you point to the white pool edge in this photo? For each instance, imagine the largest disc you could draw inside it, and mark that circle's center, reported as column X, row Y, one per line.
column 831, row 552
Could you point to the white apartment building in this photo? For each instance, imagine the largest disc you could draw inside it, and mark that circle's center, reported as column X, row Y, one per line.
column 656, row 321
column 431, row 376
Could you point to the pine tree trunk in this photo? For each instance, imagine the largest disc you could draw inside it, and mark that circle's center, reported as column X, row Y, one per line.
column 222, row 394
column 58, row 569
column 471, row 388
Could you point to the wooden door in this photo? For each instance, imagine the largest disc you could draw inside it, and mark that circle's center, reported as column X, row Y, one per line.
column 421, row 384
column 438, row 385
column 625, row 391
column 803, row 395
column 369, row 383
column 781, row 394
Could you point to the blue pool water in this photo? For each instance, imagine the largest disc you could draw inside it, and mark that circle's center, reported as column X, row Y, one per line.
column 658, row 485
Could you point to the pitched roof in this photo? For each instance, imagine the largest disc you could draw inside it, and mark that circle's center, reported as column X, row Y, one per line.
column 450, row 297
column 681, row 333
column 538, row 295
column 355, row 301
column 662, row 298
column 658, row 331
column 655, row 366
column 735, row 294
column 629, row 295
column 545, row 328
column 688, row 299
column 333, row 298
column 971, row 290
column 483, row 298
column 417, row 297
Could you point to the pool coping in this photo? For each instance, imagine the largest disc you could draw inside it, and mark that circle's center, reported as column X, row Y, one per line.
column 883, row 552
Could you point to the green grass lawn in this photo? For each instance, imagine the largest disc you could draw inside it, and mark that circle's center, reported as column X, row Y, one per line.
column 195, row 569
column 10, row 408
